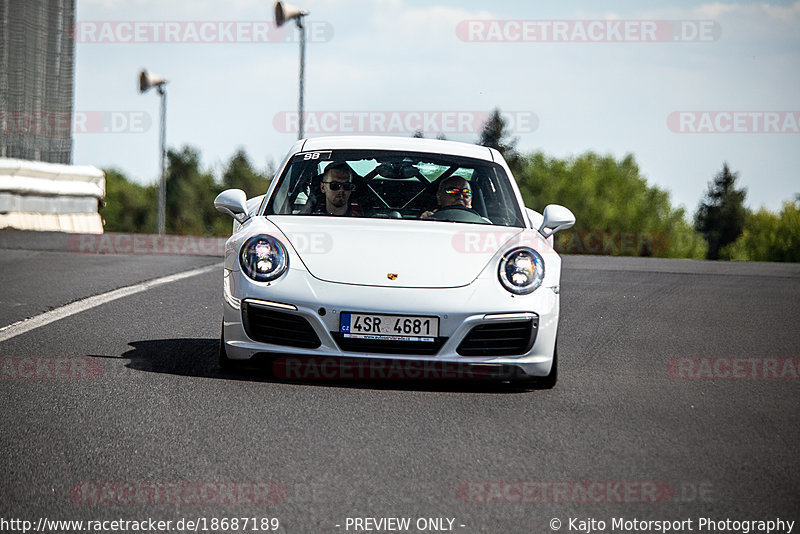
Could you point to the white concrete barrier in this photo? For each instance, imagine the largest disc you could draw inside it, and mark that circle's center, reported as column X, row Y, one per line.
column 50, row 197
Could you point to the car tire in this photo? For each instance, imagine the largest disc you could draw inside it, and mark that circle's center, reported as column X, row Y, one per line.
column 543, row 382
column 225, row 363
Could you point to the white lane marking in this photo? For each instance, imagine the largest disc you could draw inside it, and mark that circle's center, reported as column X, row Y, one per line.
column 26, row 325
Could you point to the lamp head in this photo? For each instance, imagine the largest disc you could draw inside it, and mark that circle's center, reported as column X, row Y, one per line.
column 148, row 80
column 285, row 12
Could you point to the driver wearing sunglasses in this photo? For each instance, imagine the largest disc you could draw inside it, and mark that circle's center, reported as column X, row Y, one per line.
column 337, row 186
column 453, row 191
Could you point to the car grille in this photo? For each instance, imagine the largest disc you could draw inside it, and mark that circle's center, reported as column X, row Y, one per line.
column 278, row 328
column 499, row 338
column 378, row 346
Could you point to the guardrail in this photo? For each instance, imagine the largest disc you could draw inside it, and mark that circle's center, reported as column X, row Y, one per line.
column 41, row 196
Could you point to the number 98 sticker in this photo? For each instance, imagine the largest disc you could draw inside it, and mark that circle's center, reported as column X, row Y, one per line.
column 311, row 156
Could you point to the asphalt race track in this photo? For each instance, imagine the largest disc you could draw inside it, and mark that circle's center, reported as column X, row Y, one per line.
column 678, row 399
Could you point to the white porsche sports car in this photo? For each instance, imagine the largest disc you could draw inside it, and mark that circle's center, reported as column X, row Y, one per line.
column 415, row 255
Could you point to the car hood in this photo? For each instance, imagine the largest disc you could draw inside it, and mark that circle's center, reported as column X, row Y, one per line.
column 393, row 253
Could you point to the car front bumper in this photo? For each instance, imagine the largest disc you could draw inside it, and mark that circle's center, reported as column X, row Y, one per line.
column 315, row 306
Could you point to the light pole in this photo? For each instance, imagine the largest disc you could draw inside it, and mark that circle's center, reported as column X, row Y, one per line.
column 146, row 81
column 283, row 13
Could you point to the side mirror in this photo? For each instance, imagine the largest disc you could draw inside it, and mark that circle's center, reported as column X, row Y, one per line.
column 233, row 202
column 556, row 218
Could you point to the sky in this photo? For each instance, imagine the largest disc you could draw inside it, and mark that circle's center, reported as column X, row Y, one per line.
column 683, row 86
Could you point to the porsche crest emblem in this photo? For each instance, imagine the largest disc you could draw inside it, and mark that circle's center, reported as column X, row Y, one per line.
column 391, row 276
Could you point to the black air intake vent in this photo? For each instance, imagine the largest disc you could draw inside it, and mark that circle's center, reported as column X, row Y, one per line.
column 278, row 328
column 510, row 338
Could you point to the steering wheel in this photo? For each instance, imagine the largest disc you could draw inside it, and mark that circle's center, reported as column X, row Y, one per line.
column 458, row 213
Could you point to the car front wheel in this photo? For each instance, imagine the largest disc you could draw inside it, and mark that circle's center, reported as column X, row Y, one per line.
column 225, row 363
column 543, row 382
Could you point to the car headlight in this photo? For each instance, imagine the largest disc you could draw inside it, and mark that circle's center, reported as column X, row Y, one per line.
column 263, row 258
column 521, row 270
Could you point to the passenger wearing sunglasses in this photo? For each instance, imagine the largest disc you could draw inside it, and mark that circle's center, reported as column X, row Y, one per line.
column 453, row 191
column 337, row 186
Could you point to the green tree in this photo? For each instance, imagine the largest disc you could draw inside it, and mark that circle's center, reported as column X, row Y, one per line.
column 495, row 135
column 617, row 212
column 419, row 134
column 240, row 174
column 190, row 194
column 769, row 236
column 721, row 214
column 128, row 207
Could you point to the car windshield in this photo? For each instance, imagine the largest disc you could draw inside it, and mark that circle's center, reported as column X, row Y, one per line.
column 395, row 185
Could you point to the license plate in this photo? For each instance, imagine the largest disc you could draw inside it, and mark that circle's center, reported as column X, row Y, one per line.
column 389, row 327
